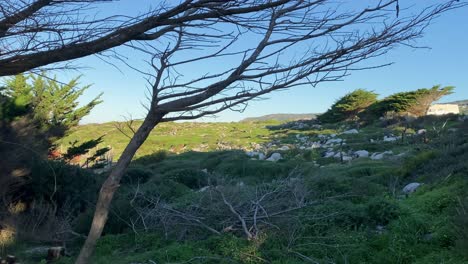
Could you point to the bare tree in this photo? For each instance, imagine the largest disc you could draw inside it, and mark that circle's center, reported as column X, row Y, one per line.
column 258, row 46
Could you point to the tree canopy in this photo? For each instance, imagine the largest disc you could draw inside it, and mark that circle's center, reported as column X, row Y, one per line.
column 51, row 104
column 349, row 106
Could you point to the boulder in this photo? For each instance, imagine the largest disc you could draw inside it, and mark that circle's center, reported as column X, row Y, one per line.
column 361, row 153
column 275, row 157
column 329, row 154
column 390, row 139
column 261, row 156
column 351, row 131
column 284, row 148
column 338, row 155
column 315, row 145
column 411, row 187
column 421, row 131
column 379, row 156
column 347, row 158
column 334, row 140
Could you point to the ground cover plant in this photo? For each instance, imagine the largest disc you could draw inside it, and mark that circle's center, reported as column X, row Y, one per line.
column 227, row 206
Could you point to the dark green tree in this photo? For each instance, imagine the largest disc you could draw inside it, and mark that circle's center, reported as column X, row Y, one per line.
column 349, row 106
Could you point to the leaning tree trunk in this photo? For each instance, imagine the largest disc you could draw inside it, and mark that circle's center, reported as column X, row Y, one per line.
column 111, row 185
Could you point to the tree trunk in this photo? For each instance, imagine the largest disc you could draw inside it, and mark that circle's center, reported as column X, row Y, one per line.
column 111, row 185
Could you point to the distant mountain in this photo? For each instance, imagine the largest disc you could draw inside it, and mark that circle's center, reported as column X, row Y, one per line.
column 280, row 117
column 459, row 103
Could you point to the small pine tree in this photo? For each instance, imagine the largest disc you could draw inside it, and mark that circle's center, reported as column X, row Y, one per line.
column 349, row 106
column 54, row 106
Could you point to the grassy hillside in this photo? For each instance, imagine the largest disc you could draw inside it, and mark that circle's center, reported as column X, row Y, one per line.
column 175, row 137
column 280, row 117
column 303, row 208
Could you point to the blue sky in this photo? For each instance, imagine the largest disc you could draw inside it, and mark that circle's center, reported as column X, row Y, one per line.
column 445, row 63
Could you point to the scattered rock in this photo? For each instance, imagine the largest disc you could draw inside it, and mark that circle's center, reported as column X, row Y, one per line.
column 338, row 155
column 379, row 156
column 261, row 156
column 362, row 153
column 347, row 158
column 275, row 157
column 411, row 187
column 333, row 141
column 351, row 131
column 390, row 138
column 329, row 154
column 421, row 131
column 284, row 148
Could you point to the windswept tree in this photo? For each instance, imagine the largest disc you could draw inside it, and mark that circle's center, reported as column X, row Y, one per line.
column 257, row 46
column 349, row 106
column 413, row 103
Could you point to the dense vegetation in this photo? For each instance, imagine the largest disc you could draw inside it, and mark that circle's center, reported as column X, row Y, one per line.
column 186, row 208
column 35, row 112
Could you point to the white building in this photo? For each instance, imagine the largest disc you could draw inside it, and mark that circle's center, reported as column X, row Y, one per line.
column 443, row 109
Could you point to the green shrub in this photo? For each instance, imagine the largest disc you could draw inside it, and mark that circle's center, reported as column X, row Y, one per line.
column 461, row 226
column 192, row 178
column 64, row 184
column 382, row 211
column 151, row 159
column 135, row 175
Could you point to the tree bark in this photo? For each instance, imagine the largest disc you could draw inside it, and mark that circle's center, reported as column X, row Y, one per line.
column 111, row 185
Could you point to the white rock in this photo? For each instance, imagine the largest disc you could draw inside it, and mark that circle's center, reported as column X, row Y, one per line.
column 377, row 156
column 411, row 187
column 335, row 140
column 351, row 131
column 347, row 158
column 390, row 139
column 261, row 156
column 284, row 148
column 362, row 153
column 338, row 155
column 250, row 153
column 421, row 131
column 333, row 135
column 315, row 145
column 329, row 154
column 275, row 157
